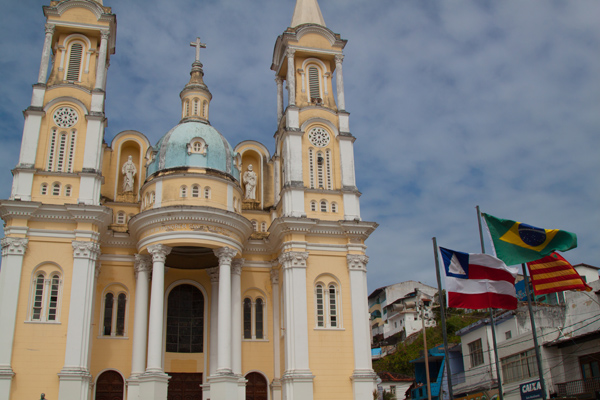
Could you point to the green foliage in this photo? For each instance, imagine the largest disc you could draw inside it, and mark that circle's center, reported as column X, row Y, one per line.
column 400, row 361
column 386, row 395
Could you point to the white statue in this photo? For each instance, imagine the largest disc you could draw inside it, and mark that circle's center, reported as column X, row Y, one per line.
column 250, row 183
column 129, row 170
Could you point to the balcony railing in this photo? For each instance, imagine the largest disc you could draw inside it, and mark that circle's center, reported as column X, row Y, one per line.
column 579, row 387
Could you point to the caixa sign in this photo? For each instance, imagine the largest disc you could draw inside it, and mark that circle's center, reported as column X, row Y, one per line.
column 531, row 390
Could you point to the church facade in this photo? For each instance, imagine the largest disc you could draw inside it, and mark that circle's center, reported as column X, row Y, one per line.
column 188, row 268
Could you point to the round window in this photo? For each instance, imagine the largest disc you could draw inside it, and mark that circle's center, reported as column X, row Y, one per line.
column 65, row 117
column 319, row 137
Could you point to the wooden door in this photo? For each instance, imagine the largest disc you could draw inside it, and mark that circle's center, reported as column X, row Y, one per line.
column 257, row 386
column 109, row 386
column 185, row 386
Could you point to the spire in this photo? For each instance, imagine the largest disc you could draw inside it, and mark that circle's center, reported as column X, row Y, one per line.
column 195, row 96
column 307, row 12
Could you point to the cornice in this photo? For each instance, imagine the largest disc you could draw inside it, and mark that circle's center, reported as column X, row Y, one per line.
column 69, row 213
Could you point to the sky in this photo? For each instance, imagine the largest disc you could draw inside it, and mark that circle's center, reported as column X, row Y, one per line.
column 453, row 104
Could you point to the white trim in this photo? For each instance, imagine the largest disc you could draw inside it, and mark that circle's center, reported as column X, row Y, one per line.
column 317, row 121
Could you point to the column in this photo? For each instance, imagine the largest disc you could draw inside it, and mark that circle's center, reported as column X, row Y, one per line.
column 363, row 378
column 236, row 324
column 214, row 312
column 236, row 314
column 276, row 384
column 154, row 382
column 13, row 251
column 279, row 81
column 297, row 379
column 101, row 68
column 75, row 377
column 142, row 268
column 224, row 384
column 339, row 82
column 291, row 77
column 43, row 75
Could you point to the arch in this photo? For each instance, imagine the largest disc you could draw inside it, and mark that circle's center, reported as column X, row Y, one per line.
column 56, row 103
column 44, row 189
column 68, row 190
column 115, row 309
column 195, row 190
column 254, row 314
column 207, row 192
column 313, row 122
column 75, row 62
column 313, row 205
column 334, row 207
column 120, row 218
column 183, row 191
column 323, row 206
column 254, row 225
column 328, row 313
column 263, row 226
column 56, row 189
column 46, row 293
column 94, row 7
column 257, row 387
column 185, row 306
column 110, row 385
column 205, row 109
column 186, row 108
column 196, row 104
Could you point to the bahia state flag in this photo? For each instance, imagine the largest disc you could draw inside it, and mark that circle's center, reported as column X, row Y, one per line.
column 517, row 243
column 477, row 281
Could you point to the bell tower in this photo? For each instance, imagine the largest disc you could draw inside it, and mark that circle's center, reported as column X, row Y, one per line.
column 60, row 158
column 314, row 151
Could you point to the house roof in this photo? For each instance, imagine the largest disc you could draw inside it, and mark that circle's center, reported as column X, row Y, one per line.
column 394, row 377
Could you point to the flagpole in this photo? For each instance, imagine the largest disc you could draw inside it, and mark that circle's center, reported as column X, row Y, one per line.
column 493, row 323
column 442, row 300
column 538, row 354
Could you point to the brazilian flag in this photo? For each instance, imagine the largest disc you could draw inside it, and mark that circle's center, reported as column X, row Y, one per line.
column 517, row 243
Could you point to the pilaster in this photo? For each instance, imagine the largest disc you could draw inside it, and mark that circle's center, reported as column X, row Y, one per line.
column 279, row 82
column 340, row 82
column 297, row 379
column 276, row 383
column 75, row 377
column 213, row 273
column 291, row 77
column 13, row 251
column 47, row 50
column 363, row 377
column 236, row 315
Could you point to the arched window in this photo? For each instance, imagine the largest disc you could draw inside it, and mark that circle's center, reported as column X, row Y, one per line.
column 183, row 191
column 328, row 169
column 195, row 191
column 68, row 190
column 56, row 189
column 313, row 206
column 326, row 300
column 323, row 206
column 152, row 197
column 121, row 217
column 314, row 86
column 254, row 318
column 185, row 320
column 320, row 170
column 207, row 192
column 254, row 225
column 115, row 309
column 311, row 167
column 334, row 207
column 44, row 189
column 74, row 67
column 61, row 151
column 205, row 109
column 196, row 101
column 187, row 109
column 45, row 297
column 263, row 226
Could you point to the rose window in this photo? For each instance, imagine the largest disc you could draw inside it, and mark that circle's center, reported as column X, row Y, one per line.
column 65, row 117
column 319, row 137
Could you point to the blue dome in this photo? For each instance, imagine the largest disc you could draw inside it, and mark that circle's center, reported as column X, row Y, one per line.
column 176, row 149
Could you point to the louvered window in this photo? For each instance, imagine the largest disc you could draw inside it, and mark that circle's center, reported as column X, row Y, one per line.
column 74, row 68
column 61, row 153
column 38, row 298
column 311, row 167
column 320, row 168
column 328, row 168
column 313, row 84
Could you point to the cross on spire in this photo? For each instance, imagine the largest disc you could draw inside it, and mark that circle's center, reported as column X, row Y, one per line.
column 198, row 45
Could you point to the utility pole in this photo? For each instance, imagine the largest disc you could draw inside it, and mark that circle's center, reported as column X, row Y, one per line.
column 420, row 303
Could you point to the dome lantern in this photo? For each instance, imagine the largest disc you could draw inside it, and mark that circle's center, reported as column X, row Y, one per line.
column 195, row 96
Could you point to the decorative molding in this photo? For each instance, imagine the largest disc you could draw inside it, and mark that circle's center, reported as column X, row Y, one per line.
column 86, row 250
column 339, row 58
column 357, row 262
column 142, row 263
column 293, row 259
column 50, row 29
column 290, row 52
column 275, row 276
column 159, row 252
column 14, row 246
column 225, row 254
column 213, row 273
column 236, row 266
column 105, row 33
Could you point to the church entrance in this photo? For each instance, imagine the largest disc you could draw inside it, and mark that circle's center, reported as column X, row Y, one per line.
column 185, row 386
column 257, row 386
column 109, row 386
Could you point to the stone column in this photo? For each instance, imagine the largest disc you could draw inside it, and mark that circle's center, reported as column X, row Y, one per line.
column 75, row 377
column 43, row 75
column 154, row 382
column 276, row 384
column 291, row 77
column 339, row 81
column 297, row 379
column 279, row 81
column 224, row 384
column 13, row 251
column 214, row 312
column 142, row 267
column 236, row 315
column 101, row 68
column 363, row 378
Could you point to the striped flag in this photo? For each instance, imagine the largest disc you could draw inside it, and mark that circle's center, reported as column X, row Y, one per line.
column 477, row 281
column 554, row 274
